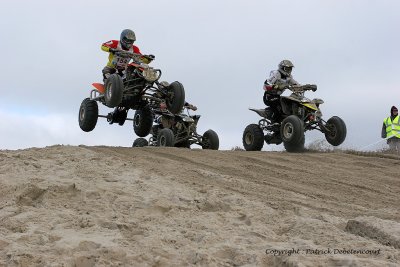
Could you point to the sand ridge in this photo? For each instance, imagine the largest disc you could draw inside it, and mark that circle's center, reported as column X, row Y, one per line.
column 114, row 206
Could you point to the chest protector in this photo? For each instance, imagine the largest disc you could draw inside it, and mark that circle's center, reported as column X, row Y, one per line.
column 120, row 62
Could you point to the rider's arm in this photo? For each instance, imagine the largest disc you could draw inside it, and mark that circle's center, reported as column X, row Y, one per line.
column 274, row 76
column 278, row 84
column 136, row 50
column 271, row 81
column 145, row 60
column 292, row 81
column 110, row 44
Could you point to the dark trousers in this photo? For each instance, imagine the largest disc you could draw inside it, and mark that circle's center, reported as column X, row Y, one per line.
column 107, row 71
column 274, row 104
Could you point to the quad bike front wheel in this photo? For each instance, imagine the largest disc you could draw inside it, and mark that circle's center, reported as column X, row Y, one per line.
column 175, row 98
column 88, row 114
column 210, row 140
column 337, row 131
column 292, row 132
column 140, row 142
column 114, row 89
column 142, row 122
column 165, row 137
column 253, row 138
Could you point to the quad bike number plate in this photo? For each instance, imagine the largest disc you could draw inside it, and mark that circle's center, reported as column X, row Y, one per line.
column 120, row 62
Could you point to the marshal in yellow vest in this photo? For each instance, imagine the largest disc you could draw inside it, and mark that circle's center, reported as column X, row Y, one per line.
column 392, row 127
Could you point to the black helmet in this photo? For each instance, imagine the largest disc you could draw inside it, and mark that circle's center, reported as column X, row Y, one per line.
column 127, row 39
column 285, row 67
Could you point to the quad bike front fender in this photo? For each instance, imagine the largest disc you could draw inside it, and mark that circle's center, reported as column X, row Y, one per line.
column 99, row 87
column 311, row 106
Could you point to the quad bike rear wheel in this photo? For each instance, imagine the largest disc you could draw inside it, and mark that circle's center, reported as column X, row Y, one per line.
column 165, row 137
column 295, row 148
column 176, row 97
column 210, row 140
column 88, row 114
column 142, row 122
column 292, row 132
column 140, row 142
column 337, row 131
column 253, row 138
column 114, row 89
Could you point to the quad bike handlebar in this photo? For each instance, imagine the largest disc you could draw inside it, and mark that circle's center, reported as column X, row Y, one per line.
column 163, row 111
column 192, row 107
column 294, row 88
column 302, row 88
column 134, row 56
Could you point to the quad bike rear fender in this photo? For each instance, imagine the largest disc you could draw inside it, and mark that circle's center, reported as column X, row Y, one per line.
column 260, row 112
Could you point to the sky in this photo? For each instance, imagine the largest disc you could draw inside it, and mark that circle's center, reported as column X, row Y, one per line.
column 221, row 51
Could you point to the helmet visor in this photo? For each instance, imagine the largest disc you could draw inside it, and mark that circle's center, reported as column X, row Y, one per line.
column 127, row 41
column 287, row 69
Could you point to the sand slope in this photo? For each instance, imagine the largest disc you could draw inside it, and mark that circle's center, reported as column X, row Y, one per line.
column 108, row 206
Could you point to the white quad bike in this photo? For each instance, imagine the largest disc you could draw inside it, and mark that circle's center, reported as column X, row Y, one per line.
column 298, row 115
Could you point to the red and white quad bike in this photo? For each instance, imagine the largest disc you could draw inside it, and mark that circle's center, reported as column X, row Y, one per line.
column 138, row 88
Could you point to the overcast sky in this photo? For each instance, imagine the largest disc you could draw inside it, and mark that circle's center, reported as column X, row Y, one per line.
column 221, row 51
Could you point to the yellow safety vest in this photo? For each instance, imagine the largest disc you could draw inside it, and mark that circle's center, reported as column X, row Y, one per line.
column 392, row 127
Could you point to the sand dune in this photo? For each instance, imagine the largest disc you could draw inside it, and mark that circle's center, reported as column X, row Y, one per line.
column 112, row 206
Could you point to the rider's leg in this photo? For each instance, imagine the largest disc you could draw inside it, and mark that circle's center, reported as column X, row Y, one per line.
column 107, row 71
column 276, row 112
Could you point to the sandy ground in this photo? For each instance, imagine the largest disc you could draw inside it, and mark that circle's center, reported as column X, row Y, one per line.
column 109, row 206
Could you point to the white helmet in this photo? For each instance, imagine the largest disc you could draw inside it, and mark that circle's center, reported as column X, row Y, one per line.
column 285, row 67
